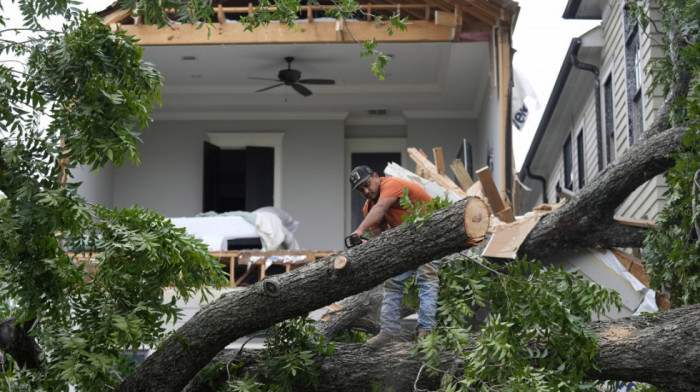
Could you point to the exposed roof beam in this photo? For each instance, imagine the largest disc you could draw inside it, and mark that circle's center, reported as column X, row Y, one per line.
column 233, row 33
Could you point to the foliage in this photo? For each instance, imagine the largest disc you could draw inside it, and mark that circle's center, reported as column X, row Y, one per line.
column 535, row 337
column 288, row 361
column 287, row 11
column 76, row 101
column 419, row 212
column 672, row 252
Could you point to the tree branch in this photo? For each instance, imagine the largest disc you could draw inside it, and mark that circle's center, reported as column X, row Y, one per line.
column 15, row 340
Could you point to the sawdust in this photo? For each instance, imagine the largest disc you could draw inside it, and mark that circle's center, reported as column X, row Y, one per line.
column 616, row 333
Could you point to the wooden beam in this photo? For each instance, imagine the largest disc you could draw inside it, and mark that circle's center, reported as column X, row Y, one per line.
column 220, row 14
column 443, row 18
column 462, row 174
column 439, row 160
column 504, row 82
column 645, row 223
column 318, row 32
column 430, row 168
column 500, row 209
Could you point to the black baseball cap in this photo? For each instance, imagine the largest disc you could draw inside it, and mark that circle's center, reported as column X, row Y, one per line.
column 359, row 175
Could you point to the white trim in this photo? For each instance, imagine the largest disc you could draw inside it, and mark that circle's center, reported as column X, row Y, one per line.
column 382, row 144
column 243, row 116
column 237, row 140
column 375, row 120
column 443, row 114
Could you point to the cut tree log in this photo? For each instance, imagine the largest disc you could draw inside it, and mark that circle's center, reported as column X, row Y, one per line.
column 662, row 349
column 310, row 287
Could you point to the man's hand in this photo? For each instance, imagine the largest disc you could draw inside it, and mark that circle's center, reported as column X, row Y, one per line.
column 376, row 214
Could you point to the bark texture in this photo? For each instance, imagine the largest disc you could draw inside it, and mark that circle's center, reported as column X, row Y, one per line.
column 663, row 350
column 586, row 221
column 15, row 340
column 281, row 297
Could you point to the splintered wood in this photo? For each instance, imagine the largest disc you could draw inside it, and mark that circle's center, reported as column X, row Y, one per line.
column 430, row 171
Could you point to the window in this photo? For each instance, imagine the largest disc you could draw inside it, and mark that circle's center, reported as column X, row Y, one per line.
column 609, row 121
column 568, row 165
column 633, row 68
column 580, row 158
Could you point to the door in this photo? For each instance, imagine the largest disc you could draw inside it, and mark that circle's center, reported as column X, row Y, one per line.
column 237, row 179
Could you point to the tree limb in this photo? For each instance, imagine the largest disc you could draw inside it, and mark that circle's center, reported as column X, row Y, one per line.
column 15, row 340
column 662, row 349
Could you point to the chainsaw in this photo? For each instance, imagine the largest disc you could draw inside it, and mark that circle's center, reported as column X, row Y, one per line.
column 354, row 240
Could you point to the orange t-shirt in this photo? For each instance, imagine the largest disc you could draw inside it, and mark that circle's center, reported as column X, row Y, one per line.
column 391, row 186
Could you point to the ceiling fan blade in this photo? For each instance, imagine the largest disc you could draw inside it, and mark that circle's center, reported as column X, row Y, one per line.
column 317, row 81
column 301, row 89
column 274, row 80
column 267, row 88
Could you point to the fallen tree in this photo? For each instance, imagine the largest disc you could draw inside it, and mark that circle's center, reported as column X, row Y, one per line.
column 631, row 349
column 363, row 267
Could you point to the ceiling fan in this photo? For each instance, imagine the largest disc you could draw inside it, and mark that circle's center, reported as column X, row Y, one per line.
column 291, row 77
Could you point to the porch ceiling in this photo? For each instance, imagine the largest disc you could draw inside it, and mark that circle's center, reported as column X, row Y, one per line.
column 424, row 80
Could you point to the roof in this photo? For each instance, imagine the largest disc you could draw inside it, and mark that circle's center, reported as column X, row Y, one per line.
column 584, row 9
column 555, row 122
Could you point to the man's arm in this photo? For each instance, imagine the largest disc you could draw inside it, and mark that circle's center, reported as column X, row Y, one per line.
column 376, row 214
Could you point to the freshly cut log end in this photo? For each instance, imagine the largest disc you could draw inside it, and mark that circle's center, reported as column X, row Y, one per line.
column 476, row 221
column 340, row 262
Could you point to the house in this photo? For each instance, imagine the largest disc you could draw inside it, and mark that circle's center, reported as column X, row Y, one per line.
column 448, row 82
column 599, row 105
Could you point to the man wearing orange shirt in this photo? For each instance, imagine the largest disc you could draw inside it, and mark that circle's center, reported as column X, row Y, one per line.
column 383, row 211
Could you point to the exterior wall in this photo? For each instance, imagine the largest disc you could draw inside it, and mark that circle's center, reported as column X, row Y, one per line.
column 489, row 120
column 169, row 179
column 646, row 202
column 96, row 188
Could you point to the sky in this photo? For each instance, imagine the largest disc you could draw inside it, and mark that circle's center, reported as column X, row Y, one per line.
column 541, row 39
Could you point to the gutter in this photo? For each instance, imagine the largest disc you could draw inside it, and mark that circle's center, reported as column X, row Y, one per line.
column 596, row 84
column 544, row 122
column 571, row 60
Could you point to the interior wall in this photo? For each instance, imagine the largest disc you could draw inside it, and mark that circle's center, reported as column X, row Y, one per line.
column 96, row 188
column 169, row 179
column 448, row 134
column 489, row 135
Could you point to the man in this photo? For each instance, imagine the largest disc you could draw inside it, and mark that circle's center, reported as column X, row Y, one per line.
column 383, row 211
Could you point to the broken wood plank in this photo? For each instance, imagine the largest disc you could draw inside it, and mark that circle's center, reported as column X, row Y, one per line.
column 431, row 170
column 500, row 209
column 635, row 222
column 633, row 265
column 439, row 160
column 462, row 174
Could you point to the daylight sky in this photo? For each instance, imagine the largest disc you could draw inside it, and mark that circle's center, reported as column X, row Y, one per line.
column 541, row 39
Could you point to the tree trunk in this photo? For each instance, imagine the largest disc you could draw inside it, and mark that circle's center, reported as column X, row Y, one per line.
column 585, row 221
column 281, row 297
column 663, row 350
column 15, row 340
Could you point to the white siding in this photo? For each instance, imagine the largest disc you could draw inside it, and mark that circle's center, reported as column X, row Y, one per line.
column 647, row 200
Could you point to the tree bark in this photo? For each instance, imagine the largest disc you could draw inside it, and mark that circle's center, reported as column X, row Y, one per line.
column 281, row 297
column 586, row 221
column 663, row 350
column 15, row 340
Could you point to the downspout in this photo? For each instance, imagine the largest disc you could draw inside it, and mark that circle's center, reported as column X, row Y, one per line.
column 596, row 84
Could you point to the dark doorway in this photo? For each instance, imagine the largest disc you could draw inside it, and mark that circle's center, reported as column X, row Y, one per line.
column 237, row 180
column 377, row 161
